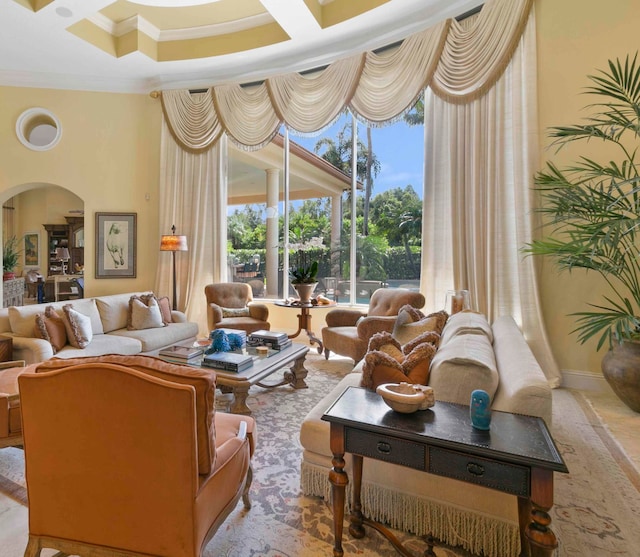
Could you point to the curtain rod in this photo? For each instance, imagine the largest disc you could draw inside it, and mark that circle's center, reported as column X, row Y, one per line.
column 461, row 17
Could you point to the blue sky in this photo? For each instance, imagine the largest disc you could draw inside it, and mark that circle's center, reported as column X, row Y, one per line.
column 399, row 148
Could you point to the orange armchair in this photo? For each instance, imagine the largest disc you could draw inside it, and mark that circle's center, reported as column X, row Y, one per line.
column 230, row 305
column 125, row 455
column 348, row 330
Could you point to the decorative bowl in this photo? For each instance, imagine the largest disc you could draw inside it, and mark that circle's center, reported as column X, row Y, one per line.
column 406, row 398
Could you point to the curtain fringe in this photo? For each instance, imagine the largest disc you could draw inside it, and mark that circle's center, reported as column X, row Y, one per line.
column 474, row 532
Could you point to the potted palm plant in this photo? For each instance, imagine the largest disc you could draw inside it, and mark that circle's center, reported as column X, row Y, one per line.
column 592, row 212
column 10, row 258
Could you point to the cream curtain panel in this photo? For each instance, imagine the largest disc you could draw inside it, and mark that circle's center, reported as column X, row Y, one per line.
column 478, row 198
column 481, row 148
column 193, row 196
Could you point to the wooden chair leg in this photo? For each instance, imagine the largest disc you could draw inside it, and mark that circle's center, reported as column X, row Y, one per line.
column 247, row 485
column 33, row 548
column 326, row 353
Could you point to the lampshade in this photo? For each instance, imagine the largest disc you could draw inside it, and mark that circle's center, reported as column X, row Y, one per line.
column 62, row 254
column 172, row 242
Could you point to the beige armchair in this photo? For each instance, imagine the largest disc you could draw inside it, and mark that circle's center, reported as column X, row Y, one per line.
column 348, row 330
column 125, row 455
column 230, row 305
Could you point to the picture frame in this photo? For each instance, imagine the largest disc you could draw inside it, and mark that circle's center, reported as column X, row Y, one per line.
column 31, row 249
column 116, row 241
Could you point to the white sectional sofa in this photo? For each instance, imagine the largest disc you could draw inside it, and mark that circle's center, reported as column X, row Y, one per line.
column 481, row 520
column 108, row 316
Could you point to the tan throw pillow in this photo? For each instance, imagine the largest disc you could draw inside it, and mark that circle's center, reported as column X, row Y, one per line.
column 235, row 312
column 144, row 315
column 78, row 326
column 411, row 323
column 50, row 327
column 384, row 342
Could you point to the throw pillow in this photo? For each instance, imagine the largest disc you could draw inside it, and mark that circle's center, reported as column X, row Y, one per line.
column 386, row 363
column 235, row 312
column 163, row 303
column 411, row 322
column 50, row 327
column 78, row 326
column 144, row 315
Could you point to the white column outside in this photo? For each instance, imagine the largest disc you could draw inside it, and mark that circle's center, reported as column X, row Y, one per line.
column 273, row 187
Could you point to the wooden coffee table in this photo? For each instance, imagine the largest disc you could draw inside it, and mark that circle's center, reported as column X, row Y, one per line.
column 291, row 358
column 517, row 456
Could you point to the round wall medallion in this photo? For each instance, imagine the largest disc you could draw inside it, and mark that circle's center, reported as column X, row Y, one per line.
column 38, row 129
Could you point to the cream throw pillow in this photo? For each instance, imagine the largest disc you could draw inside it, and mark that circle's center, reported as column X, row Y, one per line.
column 144, row 316
column 235, row 312
column 78, row 325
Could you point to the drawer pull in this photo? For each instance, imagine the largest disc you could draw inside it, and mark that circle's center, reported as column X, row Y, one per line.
column 384, row 448
column 475, row 469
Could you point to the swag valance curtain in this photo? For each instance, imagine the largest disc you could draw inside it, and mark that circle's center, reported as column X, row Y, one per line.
column 458, row 62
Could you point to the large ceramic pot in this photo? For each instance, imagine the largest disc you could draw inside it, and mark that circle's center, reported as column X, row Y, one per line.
column 305, row 291
column 621, row 369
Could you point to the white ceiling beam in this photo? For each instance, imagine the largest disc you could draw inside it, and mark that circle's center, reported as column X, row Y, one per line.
column 294, row 17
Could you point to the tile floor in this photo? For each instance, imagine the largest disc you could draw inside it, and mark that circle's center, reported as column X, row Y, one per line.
column 620, row 421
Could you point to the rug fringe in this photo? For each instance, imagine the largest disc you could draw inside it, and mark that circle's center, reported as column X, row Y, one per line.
column 474, row 532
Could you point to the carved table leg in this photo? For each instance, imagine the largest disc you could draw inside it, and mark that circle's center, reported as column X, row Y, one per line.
column 542, row 540
column 239, row 404
column 339, row 480
column 296, row 376
column 356, row 529
column 524, row 517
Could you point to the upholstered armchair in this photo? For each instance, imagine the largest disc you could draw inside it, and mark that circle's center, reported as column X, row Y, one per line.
column 230, row 305
column 348, row 330
column 125, row 455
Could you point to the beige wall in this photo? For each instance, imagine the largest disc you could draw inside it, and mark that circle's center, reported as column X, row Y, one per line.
column 575, row 39
column 108, row 157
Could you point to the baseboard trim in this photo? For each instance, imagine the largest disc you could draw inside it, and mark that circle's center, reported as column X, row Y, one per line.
column 584, row 380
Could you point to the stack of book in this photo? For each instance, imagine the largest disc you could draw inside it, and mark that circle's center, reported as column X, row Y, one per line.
column 228, row 361
column 272, row 339
column 181, row 353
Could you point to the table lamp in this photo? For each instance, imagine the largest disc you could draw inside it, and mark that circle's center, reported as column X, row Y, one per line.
column 173, row 243
column 62, row 255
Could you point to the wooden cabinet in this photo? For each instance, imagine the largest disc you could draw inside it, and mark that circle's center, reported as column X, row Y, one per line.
column 70, row 236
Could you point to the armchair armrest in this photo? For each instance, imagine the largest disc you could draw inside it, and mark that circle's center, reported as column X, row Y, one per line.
column 373, row 324
column 344, row 317
column 258, row 311
column 214, row 312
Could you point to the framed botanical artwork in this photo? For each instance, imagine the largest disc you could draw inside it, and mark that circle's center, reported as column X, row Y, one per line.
column 116, row 245
column 31, row 249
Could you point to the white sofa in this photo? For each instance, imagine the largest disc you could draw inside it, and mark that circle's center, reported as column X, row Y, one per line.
column 108, row 316
column 481, row 520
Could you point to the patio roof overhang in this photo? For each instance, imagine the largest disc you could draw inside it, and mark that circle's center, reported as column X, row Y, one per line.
column 311, row 176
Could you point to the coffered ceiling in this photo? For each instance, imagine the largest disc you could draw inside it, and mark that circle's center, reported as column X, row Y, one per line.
column 137, row 46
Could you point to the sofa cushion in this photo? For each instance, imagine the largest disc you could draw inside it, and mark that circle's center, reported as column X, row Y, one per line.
column 51, row 327
column 114, row 309
column 155, row 339
column 23, row 318
column 78, row 325
column 144, row 313
column 101, row 345
column 464, row 323
column 203, row 381
column 460, row 366
column 411, row 322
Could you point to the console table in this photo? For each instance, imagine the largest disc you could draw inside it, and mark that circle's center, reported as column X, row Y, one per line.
column 517, row 456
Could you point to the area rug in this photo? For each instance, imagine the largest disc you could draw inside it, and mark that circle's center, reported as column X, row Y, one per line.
column 596, row 512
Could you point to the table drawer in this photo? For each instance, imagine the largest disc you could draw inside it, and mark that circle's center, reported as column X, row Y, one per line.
column 509, row 478
column 389, row 449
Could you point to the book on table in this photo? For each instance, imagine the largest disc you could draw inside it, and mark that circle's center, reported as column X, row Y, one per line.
column 272, row 339
column 228, row 361
column 182, row 352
